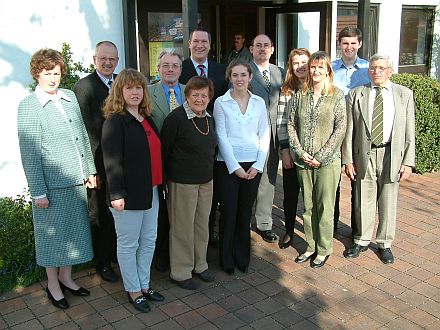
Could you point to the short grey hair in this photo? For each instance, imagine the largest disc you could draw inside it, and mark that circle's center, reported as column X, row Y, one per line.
column 171, row 52
column 382, row 56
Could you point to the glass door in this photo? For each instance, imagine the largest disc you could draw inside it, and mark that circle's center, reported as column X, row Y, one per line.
column 305, row 25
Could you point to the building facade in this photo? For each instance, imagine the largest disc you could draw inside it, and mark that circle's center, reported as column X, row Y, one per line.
column 408, row 30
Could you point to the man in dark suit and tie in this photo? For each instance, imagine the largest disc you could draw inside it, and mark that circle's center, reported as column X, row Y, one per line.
column 91, row 92
column 378, row 153
column 166, row 95
column 266, row 82
column 199, row 65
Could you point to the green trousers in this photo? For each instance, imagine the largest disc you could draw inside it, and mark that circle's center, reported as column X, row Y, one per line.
column 318, row 187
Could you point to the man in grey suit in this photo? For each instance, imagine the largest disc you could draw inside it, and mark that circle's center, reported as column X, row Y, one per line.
column 166, row 95
column 378, row 153
column 266, row 82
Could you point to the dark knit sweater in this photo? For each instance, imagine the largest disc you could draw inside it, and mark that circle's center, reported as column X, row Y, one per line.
column 188, row 155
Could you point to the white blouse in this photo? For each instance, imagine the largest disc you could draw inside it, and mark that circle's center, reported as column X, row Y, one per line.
column 242, row 137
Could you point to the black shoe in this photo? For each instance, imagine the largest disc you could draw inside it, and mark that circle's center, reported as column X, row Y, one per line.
column 161, row 265
column 62, row 303
column 81, row 292
column 188, row 284
column 317, row 264
column 206, row 276
column 153, row 295
column 268, row 235
column 229, row 271
column 140, row 303
column 302, row 258
column 108, row 274
column 213, row 240
column 286, row 241
column 354, row 251
column 386, row 256
column 244, row 270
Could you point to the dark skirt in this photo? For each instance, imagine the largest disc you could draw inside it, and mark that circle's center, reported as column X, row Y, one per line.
column 62, row 231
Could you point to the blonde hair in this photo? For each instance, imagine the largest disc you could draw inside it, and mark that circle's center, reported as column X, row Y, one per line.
column 322, row 58
column 115, row 103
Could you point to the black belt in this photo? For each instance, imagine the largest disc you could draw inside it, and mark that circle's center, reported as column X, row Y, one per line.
column 382, row 145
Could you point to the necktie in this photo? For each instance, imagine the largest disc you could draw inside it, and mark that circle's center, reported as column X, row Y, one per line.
column 377, row 127
column 173, row 100
column 266, row 78
column 109, row 83
column 202, row 70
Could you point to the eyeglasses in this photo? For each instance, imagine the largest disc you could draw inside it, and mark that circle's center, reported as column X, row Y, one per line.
column 167, row 66
column 107, row 59
column 261, row 46
column 378, row 68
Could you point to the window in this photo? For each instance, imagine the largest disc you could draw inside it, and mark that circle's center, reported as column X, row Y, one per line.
column 416, row 39
column 347, row 16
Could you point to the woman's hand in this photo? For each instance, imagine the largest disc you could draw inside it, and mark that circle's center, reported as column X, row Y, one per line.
column 286, row 159
column 310, row 161
column 252, row 172
column 314, row 163
column 119, row 204
column 241, row 173
column 41, row 203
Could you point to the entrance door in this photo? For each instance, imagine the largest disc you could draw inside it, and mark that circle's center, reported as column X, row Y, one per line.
column 305, row 25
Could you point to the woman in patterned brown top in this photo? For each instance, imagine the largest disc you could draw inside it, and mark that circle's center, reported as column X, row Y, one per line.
column 316, row 129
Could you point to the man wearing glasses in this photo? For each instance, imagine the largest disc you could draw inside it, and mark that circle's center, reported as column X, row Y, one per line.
column 166, row 95
column 91, row 92
column 378, row 153
column 266, row 83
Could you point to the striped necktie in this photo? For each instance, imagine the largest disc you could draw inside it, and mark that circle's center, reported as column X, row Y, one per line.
column 173, row 100
column 202, row 70
column 377, row 127
column 266, row 78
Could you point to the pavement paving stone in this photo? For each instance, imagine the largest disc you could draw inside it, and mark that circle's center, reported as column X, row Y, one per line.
column 275, row 293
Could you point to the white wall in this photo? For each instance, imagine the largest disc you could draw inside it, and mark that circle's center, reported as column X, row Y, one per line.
column 28, row 25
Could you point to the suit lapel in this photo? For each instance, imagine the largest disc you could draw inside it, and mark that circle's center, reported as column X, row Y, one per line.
column 398, row 107
column 363, row 106
column 259, row 77
column 160, row 99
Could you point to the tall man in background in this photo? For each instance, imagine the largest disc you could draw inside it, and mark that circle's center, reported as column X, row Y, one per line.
column 266, row 82
column 199, row 65
column 91, row 92
column 166, row 95
column 350, row 71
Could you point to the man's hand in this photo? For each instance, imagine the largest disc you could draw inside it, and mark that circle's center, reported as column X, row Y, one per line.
column 405, row 172
column 119, row 204
column 350, row 171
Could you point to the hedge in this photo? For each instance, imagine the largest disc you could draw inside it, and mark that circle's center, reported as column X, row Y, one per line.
column 427, row 100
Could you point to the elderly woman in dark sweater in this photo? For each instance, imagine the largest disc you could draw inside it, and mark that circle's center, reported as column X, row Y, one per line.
column 188, row 146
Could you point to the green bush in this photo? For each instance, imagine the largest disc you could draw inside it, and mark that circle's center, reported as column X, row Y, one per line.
column 17, row 248
column 427, row 100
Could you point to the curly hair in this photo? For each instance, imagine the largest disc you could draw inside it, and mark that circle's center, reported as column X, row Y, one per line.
column 46, row 59
column 115, row 103
column 320, row 57
column 292, row 83
column 196, row 83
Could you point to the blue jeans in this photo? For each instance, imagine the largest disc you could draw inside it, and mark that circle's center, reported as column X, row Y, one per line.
column 136, row 232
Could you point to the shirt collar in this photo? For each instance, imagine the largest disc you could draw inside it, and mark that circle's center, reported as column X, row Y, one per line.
column 105, row 80
column 44, row 97
column 262, row 68
column 386, row 86
column 228, row 97
column 190, row 114
column 356, row 63
column 196, row 64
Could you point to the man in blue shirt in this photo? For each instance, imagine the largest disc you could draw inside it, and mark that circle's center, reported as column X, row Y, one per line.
column 350, row 71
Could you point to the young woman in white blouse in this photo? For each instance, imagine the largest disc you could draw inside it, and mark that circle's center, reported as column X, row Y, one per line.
column 243, row 140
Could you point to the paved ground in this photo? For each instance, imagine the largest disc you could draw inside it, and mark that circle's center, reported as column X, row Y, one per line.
column 276, row 293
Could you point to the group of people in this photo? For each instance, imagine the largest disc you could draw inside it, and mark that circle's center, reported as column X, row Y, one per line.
column 150, row 165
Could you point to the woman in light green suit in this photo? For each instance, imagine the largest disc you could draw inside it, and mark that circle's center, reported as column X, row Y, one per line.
column 58, row 164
